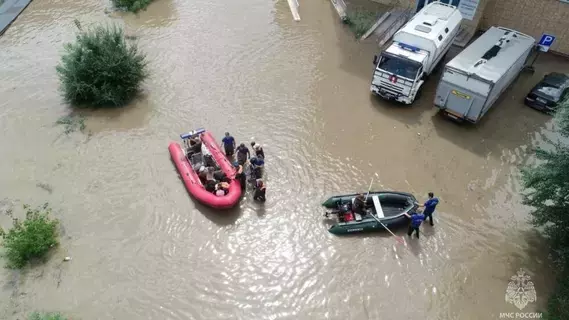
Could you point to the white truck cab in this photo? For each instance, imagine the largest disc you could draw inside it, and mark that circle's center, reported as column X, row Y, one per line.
column 416, row 49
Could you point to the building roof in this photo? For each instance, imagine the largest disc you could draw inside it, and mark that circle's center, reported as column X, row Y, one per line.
column 488, row 60
column 431, row 21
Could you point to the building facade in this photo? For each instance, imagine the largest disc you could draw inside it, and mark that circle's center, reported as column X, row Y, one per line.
column 532, row 17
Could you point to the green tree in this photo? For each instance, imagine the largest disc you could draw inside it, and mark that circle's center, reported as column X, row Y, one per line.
column 547, row 193
column 132, row 5
column 31, row 238
column 101, row 69
column 547, row 186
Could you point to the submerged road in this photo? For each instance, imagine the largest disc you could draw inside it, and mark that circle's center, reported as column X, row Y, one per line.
column 143, row 249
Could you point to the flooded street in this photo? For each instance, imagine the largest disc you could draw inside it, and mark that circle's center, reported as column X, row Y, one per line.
column 143, row 249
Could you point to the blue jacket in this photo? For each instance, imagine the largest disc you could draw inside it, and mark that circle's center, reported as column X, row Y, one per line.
column 430, row 206
column 257, row 162
column 417, row 219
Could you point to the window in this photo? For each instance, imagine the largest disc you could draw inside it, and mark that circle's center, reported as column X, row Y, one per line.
column 401, row 67
column 440, row 38
column 446, row 30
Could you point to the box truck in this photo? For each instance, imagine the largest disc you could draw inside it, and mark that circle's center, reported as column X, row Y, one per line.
column 415, row 50
column 472, row 81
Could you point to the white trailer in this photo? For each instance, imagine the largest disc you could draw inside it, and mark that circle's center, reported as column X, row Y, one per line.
column 472, row 81
column 417, row 48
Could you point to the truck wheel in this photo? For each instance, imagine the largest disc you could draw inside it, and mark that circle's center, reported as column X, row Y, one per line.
column 417, row 96
column 419, row 93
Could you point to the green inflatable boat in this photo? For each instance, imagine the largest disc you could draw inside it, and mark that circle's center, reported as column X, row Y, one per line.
column 389, row 207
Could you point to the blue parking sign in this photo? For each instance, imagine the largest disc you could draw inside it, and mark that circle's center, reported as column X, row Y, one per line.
column 546, row 42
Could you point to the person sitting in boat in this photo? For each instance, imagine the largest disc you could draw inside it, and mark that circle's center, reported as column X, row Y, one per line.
column 256, row 166
column 209, row 161
column 221, row 189
column 243, row 154
column 195, row 146
column 259, row 153
column 196, row 160
column 206, row 174
column 359, row 205
column 260, row 191
column 219, row 175
column 210, row 186
column 240, row 175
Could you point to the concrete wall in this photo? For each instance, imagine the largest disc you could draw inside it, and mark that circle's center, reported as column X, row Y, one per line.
column 532, row 17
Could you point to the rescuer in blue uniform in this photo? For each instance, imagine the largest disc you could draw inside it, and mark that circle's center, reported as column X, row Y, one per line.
column 416, row 219
column 430, row 206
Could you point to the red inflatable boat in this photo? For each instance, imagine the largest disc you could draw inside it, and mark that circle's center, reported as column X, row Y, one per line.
column 191, row 179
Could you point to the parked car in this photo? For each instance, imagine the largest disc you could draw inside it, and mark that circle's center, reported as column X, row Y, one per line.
column 549, row 92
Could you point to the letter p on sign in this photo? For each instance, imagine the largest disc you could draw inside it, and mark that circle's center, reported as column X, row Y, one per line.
column 546, row 42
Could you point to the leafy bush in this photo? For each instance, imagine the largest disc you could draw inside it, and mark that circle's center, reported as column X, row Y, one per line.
column 30, row 238
column 547, row 192
column 132, row 5
column 100, row 69
column 360, row 21
column 558, row 303
column 46, row 316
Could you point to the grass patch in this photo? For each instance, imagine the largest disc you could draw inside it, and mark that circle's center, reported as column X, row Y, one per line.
column 101, row 69
column 30, row 238
column 46, row 316
column 72, row 123
column 132, row 5
column 360, row 21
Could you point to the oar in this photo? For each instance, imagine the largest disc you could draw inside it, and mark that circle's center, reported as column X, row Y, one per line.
column 398, row 238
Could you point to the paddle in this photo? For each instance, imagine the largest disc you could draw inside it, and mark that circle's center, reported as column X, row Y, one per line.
column 398, row 238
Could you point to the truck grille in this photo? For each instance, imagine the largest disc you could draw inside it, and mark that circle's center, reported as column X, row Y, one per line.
column 392, row 87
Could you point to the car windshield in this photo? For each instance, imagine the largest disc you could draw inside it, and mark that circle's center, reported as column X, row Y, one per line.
column 549, row 92
column 401, row 67
column 552, row 86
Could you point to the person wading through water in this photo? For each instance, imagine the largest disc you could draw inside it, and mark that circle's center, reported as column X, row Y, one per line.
column 259, row 153
column 430, row 206
column 260, row 190
column 240, row 176
column 416, row 219
column 243, row 154
column 228, row 143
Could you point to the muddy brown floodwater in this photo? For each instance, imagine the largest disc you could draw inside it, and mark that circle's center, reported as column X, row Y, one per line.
column 142, row 248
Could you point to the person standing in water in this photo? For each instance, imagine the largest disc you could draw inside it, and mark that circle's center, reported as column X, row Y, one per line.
column 228, row 143
column 243, row 154
column 256, row 168
column 259, row 153
column 260, row 191
column 416, row 219
column 240, row 176
column 430, row 206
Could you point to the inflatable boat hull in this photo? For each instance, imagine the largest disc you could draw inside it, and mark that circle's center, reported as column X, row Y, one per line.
column 388, row 206
column 192, row 181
